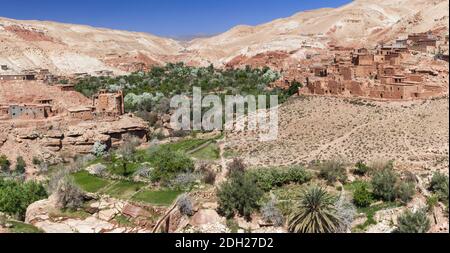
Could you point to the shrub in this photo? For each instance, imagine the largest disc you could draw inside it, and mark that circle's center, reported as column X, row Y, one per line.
column 99, row 149
column 209, row 175
column 269, row 178
column 432, row 202
column 380, row 165
column 316, row 213
column 383, row 183
column 143, row 172
column 239, row 194
column 298, row 175
column 237, row 165
column 270, row 213
column 98, row 170
column 184, row 181
column 439, row 186
column 43, row 167
column 413, row 222
column 36, row 160
column 181, row 133
column 185, row 206
column 333, row 171
column 20, row 165
column 126, row 153
column 16, row 196
column 69, row 195
column 150, row 117
column 4, row 163
column 405, row 191
column 410, row 177
column 361, row 169
column 362, row 197
column 167, row 164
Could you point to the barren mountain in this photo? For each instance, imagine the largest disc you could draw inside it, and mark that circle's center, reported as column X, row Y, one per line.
column 362, row 22
column 66, row 48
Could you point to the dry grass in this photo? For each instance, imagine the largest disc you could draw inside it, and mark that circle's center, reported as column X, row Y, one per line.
column 413, row 134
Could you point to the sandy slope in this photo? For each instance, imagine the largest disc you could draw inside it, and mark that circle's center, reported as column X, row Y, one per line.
column 413, row 134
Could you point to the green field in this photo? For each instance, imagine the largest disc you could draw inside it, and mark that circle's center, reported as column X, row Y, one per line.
column 210, row 152
column 124, row 189
column 163, row 198
column 185, row 145
column 88, row 182
column 23, row 228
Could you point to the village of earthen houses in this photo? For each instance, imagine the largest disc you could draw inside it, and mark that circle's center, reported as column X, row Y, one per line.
column 85, row 121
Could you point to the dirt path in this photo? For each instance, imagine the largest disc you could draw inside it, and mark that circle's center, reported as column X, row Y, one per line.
column 223, row 164
column 204, row 145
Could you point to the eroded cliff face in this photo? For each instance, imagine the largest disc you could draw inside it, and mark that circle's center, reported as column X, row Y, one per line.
column 51, row 141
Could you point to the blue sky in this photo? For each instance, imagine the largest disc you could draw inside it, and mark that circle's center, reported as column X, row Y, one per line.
column 172, row 18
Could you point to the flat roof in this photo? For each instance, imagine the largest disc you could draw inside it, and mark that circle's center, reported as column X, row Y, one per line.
column 79, row 109
column 30, row 105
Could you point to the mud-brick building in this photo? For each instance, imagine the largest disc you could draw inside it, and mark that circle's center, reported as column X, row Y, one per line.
column 66, row 87
column 422, row 41
column 320, row 70
column 108, row 104
column 334, row 87
column 363, row 63
column 4, row 112
column 81, row 113
column 27, row 77
column 30, row 111
column 362, row 57
column 404, row 87
column 400, row 91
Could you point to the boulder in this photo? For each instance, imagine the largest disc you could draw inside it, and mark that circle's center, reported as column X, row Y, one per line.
column 135, row 211
column 40, row 209
column 108, row 214
column 242, row 223
column 163, row 132
column 205, row 216
column 53, row 227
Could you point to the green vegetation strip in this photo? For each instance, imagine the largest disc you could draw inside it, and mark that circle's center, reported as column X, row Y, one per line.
column 370, row 214
column 186, row 145
column 23, row 228
column 163, row 197
column 89, row 182
column 210, row 152
column 124, row 189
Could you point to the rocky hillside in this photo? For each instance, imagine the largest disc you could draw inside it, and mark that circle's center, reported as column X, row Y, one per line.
column 66, row 48
column 362, row 22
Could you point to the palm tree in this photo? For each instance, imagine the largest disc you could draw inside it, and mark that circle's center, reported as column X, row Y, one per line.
column 316, row 213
